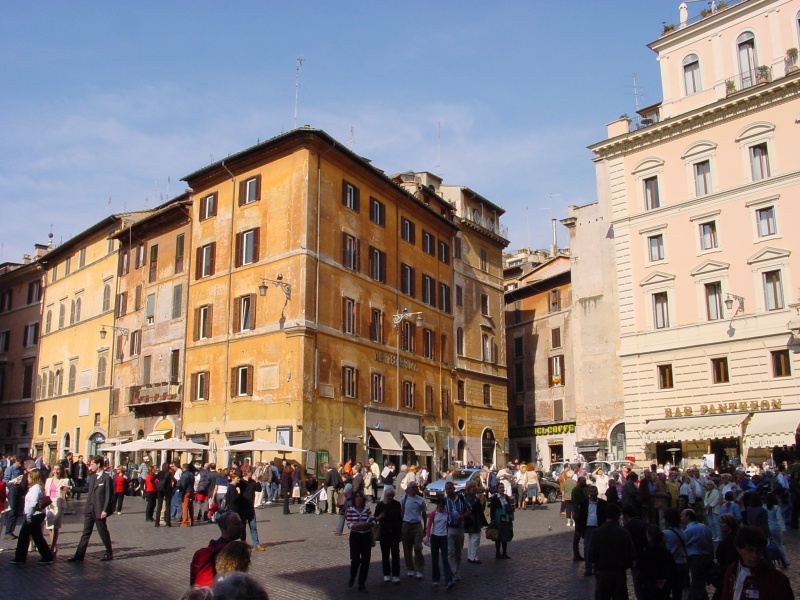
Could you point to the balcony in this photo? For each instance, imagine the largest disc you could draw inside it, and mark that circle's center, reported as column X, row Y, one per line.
column 748, row 79
column 154, row 394
column 489, row 223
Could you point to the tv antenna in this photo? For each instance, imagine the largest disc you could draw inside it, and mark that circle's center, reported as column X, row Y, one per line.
column 298, row 63
column 352, row 140
column 439, row 148
column 637, row 94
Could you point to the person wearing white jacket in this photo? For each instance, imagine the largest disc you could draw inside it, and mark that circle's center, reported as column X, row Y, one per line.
column 57, row 488
column 32, row 523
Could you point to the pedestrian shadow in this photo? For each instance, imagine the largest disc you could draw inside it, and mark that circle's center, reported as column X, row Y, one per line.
column 283, row 543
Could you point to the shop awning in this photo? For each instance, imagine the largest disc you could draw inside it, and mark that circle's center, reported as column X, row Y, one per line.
column 156, row 436
column 768, row 429
column 694, row 428
column 386, row 441
column 418, row 443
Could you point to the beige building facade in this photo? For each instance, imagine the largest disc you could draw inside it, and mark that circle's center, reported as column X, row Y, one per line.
column 701, row 192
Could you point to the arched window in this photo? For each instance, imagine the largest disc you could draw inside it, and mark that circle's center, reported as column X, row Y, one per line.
column 77, row 310
column 72, row 312
column 54, row 424
column 61, row 312
column 48, row 321
column 460, row 341
column 691, row 74
column 59, row 382
column 746, row 50
column 41, row 425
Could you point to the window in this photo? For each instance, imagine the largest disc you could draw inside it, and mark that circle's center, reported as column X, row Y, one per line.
column 153, row 274
column 719, row 370
column 773, row 290
column 349, row 382
column 150, row 309
column 443, row 349
column 713, row 295
column 122, row 306
column 746, row 49
column 407, row 280
column 408, row 337
column 242, row 381
column 555, row 337
column 349, row 316
column 461, row 392
column 377, row 212
column 247, row 247
column 202, row 322
column 655, row 247
column 445, row 402
column 487, row 394
column 460, row 341
column 459, row 296
column 54, row 424
column 200, row 386
column 27, row 382
column 174, row 366
column 484, row 258
column 124, row 262
column 62, row 313
column 665, row 377
column 651, row 197
column 428, row 290
column 691, row 74
column 376, row 387
column 34, row 291
column 555, row 300
column 205, row 260
column 102, row 366
column 177, row 301
column 76, row 304
column 137, row 298
column 147, row 362
column 67, row 266
column 376, row 326
column 556, row 370
column 250, row 190
column 30, row 335
column 136, row 342
column 781, row 363
column 519, row 377
column 244, row 313
column 428, row 399
column 120, row 349
column 140, row 256
column 759, row 162
column 428, row 344
column 457, row 248
column 408, row 389
column 486, row 348
column 97, row 419
column 702, row 178
column 351, row 196
column 660, row 310
column 59, row 381
column 82, row 258
column 445, row 298
column 408, row 230
column 208, row 206
column 428, row 243
column 106, row 297
column 4, row 339
column 519, row 347
column 765, row 218
column 485, row 305
column 41, row 425
column 5, row 301
column 180, row 243
column 444, row 252
column 377, row 264
column 708, row 235
column 350, row 253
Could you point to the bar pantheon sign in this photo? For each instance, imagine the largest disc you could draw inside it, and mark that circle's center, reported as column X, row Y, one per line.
column 723, row 408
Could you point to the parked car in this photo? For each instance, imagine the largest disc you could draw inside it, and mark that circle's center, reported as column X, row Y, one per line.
column 549, row 488
column 614, row 465
column 557, row 468
column 435, row 490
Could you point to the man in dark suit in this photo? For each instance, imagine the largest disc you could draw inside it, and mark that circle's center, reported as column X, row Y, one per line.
column 98, row 501
column 591, row 515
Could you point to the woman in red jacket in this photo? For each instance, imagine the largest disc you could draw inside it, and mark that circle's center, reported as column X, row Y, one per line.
column 752, row 576
column 150, row 493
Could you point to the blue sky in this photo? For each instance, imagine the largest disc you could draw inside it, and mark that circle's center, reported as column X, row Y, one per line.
column 105, row 106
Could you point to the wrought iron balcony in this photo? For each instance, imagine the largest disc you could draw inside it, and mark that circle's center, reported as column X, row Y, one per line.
column 154, row 393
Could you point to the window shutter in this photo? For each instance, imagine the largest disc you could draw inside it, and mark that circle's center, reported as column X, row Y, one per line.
column 234, row 382
column 213, row 257
column 383, row 266
column 356, row 199
column 194, row 394
column 563, row 370
column 242, row 191
column 358, row 255
column 355, row 383
column 341, row 381
column 344, row 314
column 196, row 328
column 250, row 380
column 237, row 260
column 209, row 320
column 198, row 263
column 344, row 192
column 357, row 327
column 25, row 335
column 252, row 311
column 258, row 187
column 550, row 372
column 206, row 384
column 256, row 238
column 413, row 283
column 120, row 348
column 344, row 248
column 237, row 315
column 35, row 333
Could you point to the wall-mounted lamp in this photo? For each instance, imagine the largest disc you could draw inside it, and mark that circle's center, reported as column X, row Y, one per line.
column 267, row 428
column 216, row 431
column 103, row 331
column 729, row 303
column 286, row 287
column 407, row 316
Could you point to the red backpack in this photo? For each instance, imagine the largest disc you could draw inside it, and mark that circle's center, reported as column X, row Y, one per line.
column 202, row 570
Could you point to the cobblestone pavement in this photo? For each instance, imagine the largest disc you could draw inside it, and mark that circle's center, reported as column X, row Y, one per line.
column 303, row 561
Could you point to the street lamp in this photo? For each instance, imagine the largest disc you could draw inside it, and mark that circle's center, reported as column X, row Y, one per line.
column 398, row 320
column 103, row 331
column 286, row 287
column 729, row 303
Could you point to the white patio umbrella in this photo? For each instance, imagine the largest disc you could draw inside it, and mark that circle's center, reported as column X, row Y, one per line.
column 176, row 445
column 262, row 446
column 134, row 446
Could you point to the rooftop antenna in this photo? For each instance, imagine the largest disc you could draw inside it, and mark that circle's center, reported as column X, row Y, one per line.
column 169, row 180
column 636, row 93
column 439, row 149
column 528, row 226
column 352, row 140
column 297, row 64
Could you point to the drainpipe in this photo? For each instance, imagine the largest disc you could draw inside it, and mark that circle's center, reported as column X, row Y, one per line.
column 232, row 248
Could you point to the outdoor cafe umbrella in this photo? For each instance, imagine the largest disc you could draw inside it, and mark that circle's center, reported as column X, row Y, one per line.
column 133, row 446
column 176, row 445
column 263, row 446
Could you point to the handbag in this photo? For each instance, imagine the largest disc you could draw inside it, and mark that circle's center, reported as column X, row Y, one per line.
column 296, row 491
column 376, row 533
column 43, row 502
column 492, row 533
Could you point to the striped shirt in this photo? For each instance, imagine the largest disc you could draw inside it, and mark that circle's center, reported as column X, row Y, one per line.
column 353, row 516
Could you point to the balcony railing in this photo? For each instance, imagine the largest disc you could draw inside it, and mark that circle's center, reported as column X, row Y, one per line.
column 154, row 393
column 489, row 223
column 710, row 12
column 749, row 78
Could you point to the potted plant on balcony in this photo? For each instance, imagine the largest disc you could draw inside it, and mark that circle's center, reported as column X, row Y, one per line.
column 791, row 60
column 730, row 86
column 722, row 6
column 705, row 13
column 762, row 74
column 668, row 28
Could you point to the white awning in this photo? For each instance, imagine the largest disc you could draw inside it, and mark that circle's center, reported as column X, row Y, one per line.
column 386, row 441
column 156, row 436
column 418, row 443
column 687, row 429
column 775, row 428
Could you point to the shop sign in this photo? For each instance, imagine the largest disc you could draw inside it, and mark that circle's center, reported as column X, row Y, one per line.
column 391, row 359
column 723, row 408
column 557, row 429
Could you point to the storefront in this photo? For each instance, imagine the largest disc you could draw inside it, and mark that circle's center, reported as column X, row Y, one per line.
column 686, row 440
column 554, row 442
column 771, row 435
